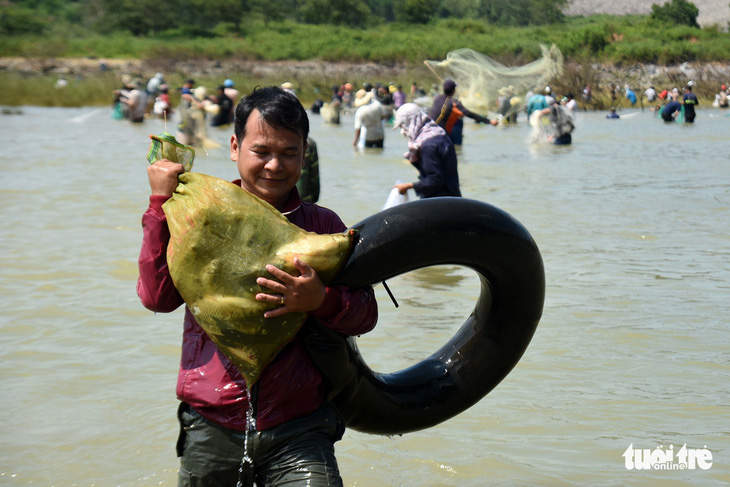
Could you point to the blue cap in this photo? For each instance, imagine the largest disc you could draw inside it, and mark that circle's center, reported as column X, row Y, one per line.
column 228, row 83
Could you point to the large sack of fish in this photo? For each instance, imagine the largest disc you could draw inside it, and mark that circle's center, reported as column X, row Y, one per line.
column 221, row 239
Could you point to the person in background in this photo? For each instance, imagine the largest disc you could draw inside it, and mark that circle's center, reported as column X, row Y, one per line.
column 570, row 104
column 560, row 123
column 670, row 111
column 292, row 436
column 537, row 101
column 369, row 116
column 689, row 100
column 651, row 94
column 516, row 102
column 162, row 107
column 347, row 96
column 662, row 99
column 587, row 95
column 416, row 91
column 153, row 85
column 191, row 113
column 330, row 111
column 630, row 95
column 186, row 90
column 383, row 95
column 504, row 104
column 231, row 92
column 721, row 99
column 224, row 115
column 612, row 114
column 399, row 97
column 136, row 102
column 308, row 184
column 120, row 108
column 430, row 151
column 449, row 113
column 153, row 90
column 549, row 98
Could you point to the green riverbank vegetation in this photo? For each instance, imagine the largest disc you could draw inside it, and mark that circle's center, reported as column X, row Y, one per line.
column 385, row 32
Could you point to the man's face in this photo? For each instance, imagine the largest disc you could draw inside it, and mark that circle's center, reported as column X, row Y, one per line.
column 269, row 160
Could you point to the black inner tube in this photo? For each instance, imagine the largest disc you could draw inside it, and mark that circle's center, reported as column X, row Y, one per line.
column 488, row 345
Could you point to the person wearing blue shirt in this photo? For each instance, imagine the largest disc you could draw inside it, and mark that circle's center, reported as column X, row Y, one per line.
column 690, row 101
column 537, row 102
column 630, row 95
column 671, row 109
column 430, row 151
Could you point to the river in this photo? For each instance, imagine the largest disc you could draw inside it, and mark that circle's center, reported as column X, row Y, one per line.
column 633, row 222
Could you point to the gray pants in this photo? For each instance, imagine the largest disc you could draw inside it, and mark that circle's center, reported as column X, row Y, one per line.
column 300, row 452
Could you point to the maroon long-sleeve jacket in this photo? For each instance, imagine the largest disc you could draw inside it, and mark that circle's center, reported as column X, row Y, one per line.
column 291, row 385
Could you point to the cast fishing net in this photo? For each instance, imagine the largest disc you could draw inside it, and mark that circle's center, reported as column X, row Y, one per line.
column 482, row 81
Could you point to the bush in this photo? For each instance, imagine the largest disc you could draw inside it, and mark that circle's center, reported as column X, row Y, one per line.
column 680, row 12
column 18, row 21
column 591, row 38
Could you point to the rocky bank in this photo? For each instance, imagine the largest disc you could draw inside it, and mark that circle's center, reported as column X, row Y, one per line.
column 637, row 74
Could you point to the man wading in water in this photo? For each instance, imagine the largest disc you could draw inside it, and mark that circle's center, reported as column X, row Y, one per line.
column 292, row 435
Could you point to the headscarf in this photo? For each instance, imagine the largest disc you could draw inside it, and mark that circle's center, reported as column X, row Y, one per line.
column 417, row 127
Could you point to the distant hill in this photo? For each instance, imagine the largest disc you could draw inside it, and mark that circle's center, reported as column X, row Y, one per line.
column 711, row 11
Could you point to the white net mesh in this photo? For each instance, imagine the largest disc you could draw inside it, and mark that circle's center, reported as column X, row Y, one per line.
column 482, row 81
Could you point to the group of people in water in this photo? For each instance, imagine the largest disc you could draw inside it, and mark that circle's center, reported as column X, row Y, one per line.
column 432, row 122
column 134, row 102
column 289, row 435
column 552, row 117
column 673, row 106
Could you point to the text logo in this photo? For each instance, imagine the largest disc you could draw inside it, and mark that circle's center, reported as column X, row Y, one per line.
column 662, row 458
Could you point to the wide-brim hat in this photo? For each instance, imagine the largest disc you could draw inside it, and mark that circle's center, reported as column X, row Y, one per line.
column 362, row 97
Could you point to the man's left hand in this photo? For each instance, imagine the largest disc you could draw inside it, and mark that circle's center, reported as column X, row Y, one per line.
column 293, row 294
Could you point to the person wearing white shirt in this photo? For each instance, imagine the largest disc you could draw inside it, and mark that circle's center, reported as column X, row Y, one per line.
column 369, row 116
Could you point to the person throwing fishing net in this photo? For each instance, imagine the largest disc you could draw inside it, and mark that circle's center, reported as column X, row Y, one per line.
column 449, row 113
column 283, row 423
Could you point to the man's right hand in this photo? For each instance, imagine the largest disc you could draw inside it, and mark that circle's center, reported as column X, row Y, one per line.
column 163, row 177
column 403, row 187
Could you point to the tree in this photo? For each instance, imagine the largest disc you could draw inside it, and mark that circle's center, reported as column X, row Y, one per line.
column 459, row 9
column 680, row 12
column 20, row 20
column 521, row 13
column 353, row 13
column 139, row 17
column 415, row 11
column 382, row 9
column 271, row 10
column 505, row 12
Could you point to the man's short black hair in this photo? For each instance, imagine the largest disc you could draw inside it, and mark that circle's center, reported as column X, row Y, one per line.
column 277, row 107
